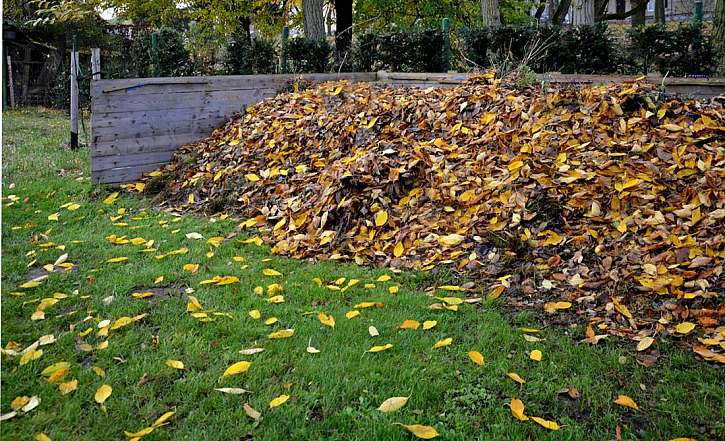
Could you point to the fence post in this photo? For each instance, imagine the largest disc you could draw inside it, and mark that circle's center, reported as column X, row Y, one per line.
column 155, row 54
column 11, row 89
column 283, row 59
column 446, row 55
column 96, row 63
column 697, row 16
column 74, row 96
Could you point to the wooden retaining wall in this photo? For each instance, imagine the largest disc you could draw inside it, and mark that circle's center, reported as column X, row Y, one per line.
column 137, row 124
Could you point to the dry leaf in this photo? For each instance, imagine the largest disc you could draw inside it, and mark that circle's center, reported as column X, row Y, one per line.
column 278, row 401
column 626, row 401
column 103, row 393
column 422, row 432
column 393, row 404
column 517, row 409
column 476, row 357
column 237, row 368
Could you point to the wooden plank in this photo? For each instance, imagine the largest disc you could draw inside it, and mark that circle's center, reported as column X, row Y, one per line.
column 143, row 86
column 96, row 63
column 129, row 160
column 145, row 144
column 111, row 129
column 151, row 117
column 123, row 174
column 180, row 100
column 201, row 129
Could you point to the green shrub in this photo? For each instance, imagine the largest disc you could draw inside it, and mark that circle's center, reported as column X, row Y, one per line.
column 402, row 51
column 174, row 60
column 682, row 51
column 245, row 56
column 305, row 55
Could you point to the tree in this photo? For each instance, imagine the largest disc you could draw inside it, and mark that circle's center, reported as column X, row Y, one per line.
column 582, row 12
column 490, row 13
column 660, row 11
column 314, row 20
column 718, row 38
column 343, row 24
column 560, row 13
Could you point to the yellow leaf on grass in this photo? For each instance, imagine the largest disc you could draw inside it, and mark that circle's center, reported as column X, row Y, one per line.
column 626, row 401
column 380, row 348
column 68, row 387
column 451, row 300
column 55, row 367
column 517, row 409
column 140, row 434
column 285, row 333
column 276, row 299
column 422, row 432
column 278, row 401
column 53, row 217
column 535, row 355
column 645, row 343
column 476, row 357
column 42, row 437
column 160, row 421
column 117, row 260
column 383, row 278
column 326, row 320
column 251, row 413
column 393, row 404
column 191, row 267
column 551, row 425
column 176, row 364
column 270, row 272
column 429, row 324
column 111, row 198
column 410, row 324
column 121, row 322
column 271, row 321
column 514, row 376
column 442, row 343
column 237, row 368
column 255, row 314
column 685, row 327
column 381, row 217
column 352, row 314
column 103, row 393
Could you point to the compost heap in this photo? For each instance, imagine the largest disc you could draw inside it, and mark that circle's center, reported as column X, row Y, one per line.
column 610, row 198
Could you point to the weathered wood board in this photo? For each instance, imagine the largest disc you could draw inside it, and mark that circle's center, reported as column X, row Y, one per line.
column 137, row 124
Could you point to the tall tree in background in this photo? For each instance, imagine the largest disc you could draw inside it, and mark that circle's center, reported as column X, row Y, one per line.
column 314, row 20
column 660, row 11
column 582, row 12
column 640, row 12
column 718, row 37
column 343, row 25
column 490, row 13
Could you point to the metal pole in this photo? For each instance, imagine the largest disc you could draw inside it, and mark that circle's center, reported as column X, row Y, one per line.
column 283, row 61
column 697, row 16
column 96, row 63
column 445, row 56
column 74, row 97
column 155, row 54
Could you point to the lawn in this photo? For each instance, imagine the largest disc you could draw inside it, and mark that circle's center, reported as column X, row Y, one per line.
column 333, row 393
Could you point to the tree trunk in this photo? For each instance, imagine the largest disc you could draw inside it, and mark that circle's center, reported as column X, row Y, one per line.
column 718, row 37
column 343, row 26
column 660, row 12
column 490, row 13
column 560, row 14
column 638, row 18
column 582, row 12
column 314, row 20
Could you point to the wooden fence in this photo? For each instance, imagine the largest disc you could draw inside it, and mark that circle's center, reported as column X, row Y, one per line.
column 137, row 124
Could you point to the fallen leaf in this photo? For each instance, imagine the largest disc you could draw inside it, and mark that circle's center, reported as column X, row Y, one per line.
column 517, row 409
column 373, row 331
column 442, row 343
column 551, row 425
column 326, row 320
column 251, row 413
column 514, row 376
column 175, row 364
column 422, row 432
column 624, row 400
column 380, row 348
column 393, row 404
column 237, row 368
column 232, row 390
column 685, row 327
column 476, row 357
column 535, row 355
column 102, row 393
column 278, row 401
column 645, row 343
column 285, row 333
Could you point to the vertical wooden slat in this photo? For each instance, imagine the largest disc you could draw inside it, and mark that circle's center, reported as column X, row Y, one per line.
column 96, row 63
column 74, row 99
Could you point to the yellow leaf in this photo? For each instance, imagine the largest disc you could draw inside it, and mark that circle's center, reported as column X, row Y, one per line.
column 68, row 387
column 398, row 250
column 626, row 401
column 380, row 348
column 191, row 267
column 672, row 127
column 117, row 260
column 551, row 425
column 30, row 356
column 271, row 321
column 42, row 437
column 442, row 343
column 352, row 314
column 138, row 435
column 251, row 177
column 237, row 368
column 383, row 278
column 255, row 314
column 552, row 307
column 422, row 432
column 410, row 324
column 393, row 404
column 381, row 217
column 176, row 364
column 645, row 343
column 271, row 272
column 278, row 401
column 160, row 421
column 111, row 198
column 429, row 324
column 535, row 355
column 516, row 377
column 496, row 292
column 450, row 240
column 276, row 299
column 517, row 409
column 121, row 322
column 103, row 393
column 450, row 288
column 193, row 305
column 55, row 367
column 285, row 333
column 685, row 327
column 251, row 413
column 476, row 357
column 326, row 320
column 451, row 300
column 53, row 217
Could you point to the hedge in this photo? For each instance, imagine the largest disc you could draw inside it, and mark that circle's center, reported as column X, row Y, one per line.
column 248, row 56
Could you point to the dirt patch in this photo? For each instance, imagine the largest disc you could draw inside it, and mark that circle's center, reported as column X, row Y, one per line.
column 39, row 271
column 157, row 294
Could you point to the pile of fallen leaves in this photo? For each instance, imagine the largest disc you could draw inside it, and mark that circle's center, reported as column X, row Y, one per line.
column 608, row 199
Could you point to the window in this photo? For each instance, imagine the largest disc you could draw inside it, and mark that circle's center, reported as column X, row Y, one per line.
column 651, row 5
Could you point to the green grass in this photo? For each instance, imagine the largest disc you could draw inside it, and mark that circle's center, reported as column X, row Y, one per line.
column 334, row 394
